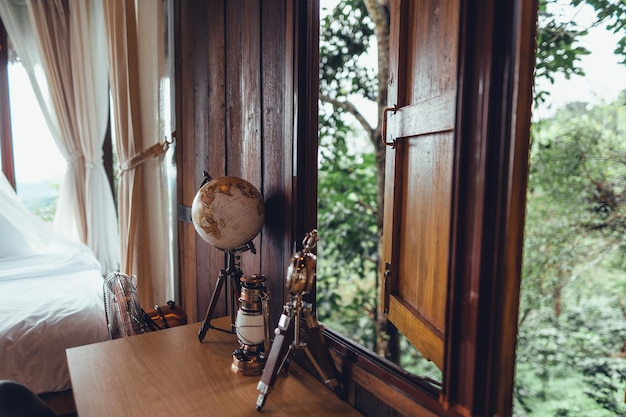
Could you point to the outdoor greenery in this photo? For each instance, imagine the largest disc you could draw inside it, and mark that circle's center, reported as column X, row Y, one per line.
column 571, row 356
column 47, row 212
column 571, row 353
column 43, row 206
column 347, row 207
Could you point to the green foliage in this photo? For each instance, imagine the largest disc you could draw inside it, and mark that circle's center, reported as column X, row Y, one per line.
column 47, row 213
column 346, row 284
column 347, row 207
column 45, row 208
column 346, row 34
column 413, row 361
column 558, row 37
column 572, row 321
column 613, row 13
column 557, row 49
column 605, row 379
column 568, row 365
column 576, row 195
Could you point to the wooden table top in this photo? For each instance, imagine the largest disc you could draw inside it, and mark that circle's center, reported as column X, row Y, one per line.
column 170, row 373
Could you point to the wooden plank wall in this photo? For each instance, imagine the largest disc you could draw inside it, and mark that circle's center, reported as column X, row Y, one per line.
column 246, row 105
column 235, row 115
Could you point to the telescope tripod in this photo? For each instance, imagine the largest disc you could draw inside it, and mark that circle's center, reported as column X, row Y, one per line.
column 280, row 353
column 230, row 275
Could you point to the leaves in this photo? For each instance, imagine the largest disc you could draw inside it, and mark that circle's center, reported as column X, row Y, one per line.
column 347, row 177
column 347, row 249
column 347, row 33
column 572, row 318
column 558, row 37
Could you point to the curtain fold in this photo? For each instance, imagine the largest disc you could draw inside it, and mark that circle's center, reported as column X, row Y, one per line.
column 61, row 45
column 87, row 40
column 138, row 75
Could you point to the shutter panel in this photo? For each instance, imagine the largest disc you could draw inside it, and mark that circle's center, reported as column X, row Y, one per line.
column 418, row 183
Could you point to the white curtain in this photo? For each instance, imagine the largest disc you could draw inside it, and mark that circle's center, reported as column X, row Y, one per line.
column 62, row 46
column 139, row 78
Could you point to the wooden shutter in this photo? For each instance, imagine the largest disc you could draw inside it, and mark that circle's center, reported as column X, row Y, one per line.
column 419, row 170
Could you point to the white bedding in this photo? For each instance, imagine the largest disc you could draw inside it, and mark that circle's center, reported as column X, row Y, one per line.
column 50, row 298
column 43, row 315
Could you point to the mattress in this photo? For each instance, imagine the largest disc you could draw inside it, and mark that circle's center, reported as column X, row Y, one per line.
column 48, row 303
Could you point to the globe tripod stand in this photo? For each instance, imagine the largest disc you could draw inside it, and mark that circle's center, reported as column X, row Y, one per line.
column 230, row 275
column 281, row 352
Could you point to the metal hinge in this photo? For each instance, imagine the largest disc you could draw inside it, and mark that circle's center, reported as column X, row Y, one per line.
column 386, row 276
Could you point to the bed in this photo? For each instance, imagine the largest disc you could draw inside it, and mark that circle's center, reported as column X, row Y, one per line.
column 50, row 298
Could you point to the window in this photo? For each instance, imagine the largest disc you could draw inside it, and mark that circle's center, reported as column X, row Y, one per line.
column 30, row 157
column 455, row 195
column 39, row 166
column 350, row 161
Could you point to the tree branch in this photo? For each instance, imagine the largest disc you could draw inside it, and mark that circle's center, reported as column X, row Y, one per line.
column 350, row 108
column 375, row 9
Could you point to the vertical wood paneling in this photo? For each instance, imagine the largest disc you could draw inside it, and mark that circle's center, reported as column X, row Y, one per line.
column 185, row 156
column 427, row 189
column 421, row 183
column 433, row 48
column 395, row 96
column 306, row 90
column 200, row 144
column 215, row 139
column 235, row 98
column 250, row 101
column 211, row 156
column 276, row 124
column 251, row 114
column 234, row 87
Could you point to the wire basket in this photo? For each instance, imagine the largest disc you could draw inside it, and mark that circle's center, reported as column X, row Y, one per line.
column 124, row 314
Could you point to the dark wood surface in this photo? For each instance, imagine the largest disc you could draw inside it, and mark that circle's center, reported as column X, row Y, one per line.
column 237, row 92
column 491, row 169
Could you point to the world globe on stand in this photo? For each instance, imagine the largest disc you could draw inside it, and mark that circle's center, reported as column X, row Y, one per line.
column 228, row 212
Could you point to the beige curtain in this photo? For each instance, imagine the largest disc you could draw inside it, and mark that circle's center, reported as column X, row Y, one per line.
column 138, row 73
column 61, row 44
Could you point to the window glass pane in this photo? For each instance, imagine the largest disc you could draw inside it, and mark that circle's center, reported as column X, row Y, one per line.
column 348, row 269
column 39, row 166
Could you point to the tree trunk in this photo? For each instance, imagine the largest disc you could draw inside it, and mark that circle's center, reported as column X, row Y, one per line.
column 387, row 335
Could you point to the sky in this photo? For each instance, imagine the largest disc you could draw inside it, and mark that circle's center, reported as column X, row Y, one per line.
column 604, row 76
column 36, row 155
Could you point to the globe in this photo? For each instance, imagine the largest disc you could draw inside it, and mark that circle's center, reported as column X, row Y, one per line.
column 228, row 212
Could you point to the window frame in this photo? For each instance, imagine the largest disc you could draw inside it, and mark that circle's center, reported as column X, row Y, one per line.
column 496, row 62
column 6, row 136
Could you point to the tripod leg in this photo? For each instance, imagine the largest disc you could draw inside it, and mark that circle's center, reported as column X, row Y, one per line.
column 206, row 324
column 326, row 367
column 280, row 349
column 233, row 286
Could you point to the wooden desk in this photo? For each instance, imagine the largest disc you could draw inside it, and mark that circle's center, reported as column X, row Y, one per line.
column 170, row 373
